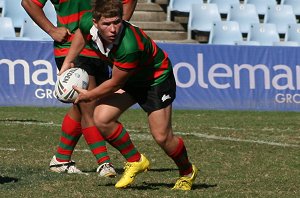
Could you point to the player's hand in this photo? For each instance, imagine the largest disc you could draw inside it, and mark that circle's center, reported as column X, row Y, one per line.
column 82, row 95
column 60, row 34
column 65, row 66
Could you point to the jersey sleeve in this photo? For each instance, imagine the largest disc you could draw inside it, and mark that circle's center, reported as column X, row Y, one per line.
column 126, row 1
column 86, row 23
column 39, row 3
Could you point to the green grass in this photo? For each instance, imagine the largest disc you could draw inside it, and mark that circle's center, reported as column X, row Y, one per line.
column 240, row 154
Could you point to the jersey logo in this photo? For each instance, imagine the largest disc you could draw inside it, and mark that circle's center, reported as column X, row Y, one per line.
column 165, row 97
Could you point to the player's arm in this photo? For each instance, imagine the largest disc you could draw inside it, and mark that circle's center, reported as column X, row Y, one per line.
column 128, row 9
column 37, row 14
column 116, row 82
column 76, row 47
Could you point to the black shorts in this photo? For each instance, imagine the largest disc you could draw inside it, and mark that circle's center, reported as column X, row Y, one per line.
column 153, row 98
column 93, row 66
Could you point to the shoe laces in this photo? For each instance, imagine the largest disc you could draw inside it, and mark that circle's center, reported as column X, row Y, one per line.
column 181, row 182
column 71, row 167
column 104, row 165
column 127, row 166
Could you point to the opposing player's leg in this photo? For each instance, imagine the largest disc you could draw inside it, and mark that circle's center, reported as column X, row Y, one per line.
column 70, row 134
column 161, row 130
column 106, row 117
column 79, row 121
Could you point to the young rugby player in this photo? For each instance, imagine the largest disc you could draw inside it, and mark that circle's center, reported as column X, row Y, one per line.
column 144, row 72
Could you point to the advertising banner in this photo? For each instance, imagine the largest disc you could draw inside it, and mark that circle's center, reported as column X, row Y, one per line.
column 208, row 76
column 236, row 77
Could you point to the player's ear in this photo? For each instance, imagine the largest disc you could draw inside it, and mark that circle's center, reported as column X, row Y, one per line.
column 95, row 23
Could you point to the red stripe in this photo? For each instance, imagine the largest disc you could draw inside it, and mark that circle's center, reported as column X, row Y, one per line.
column 63, row 151
column 135, row 158
column 70, row 18
column 178, row 149
column 163, row 67
column 85, row 52
column 154, row 47
column 128, row 149
column 92, row 135
column 103, row 159
column 126, row 1
column 99, row 150
column 116, row 133
column 126, row 65
column 62, row 1
column 138, row 38
column 121, row 141
column 67, row 141
column 38, row 3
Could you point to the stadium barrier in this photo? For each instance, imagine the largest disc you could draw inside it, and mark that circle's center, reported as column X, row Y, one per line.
column 208, row 76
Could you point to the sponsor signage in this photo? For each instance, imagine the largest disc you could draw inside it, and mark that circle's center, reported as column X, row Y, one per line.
column 207, row 76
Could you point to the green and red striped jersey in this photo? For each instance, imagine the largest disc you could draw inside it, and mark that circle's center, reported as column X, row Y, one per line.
column 69, row 13
column 133, row 50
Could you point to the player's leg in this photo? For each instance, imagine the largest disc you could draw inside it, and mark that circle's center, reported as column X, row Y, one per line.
column 98, row 72
column 161, row 130
column 70, row 134
column 159, row 108
column 106, row 117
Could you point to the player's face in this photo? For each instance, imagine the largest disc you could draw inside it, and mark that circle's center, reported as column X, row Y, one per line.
column 109, row 28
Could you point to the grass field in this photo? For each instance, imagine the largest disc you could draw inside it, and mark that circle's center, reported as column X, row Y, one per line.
column 240, row 154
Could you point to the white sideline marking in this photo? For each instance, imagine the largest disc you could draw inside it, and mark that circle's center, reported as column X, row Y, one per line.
column 201, row 135
column 148, row 136
column 8, row 149
column 10, row 122
column 214, row 137
column 83, row 150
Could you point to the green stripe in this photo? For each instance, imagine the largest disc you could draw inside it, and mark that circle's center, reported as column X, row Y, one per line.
column 70, row 137
column 64, row 157
column 97, row 145
column 101, row 155
column 121, row 135
column 131, row 153
column 71, row 26
column 65, row 146
column 125, row 145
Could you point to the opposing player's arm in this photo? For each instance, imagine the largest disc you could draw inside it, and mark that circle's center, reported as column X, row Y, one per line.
column 77, row 46
column 116, row 82
column 128, row 9
column 37, row 14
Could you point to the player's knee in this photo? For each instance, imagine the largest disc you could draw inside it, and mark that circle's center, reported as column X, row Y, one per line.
column 100, row 121
column 161, row 139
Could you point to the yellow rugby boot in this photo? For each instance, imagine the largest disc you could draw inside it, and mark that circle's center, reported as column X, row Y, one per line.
column 131, row 169
column 185, row 182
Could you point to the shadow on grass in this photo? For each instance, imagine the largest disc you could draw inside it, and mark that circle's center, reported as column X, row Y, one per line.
column 4, row 180
column 157, row 186
column 121, row 170
column 163, row 169
column 118, row 170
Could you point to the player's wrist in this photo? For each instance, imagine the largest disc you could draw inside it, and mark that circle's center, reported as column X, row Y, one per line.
column 51, row 30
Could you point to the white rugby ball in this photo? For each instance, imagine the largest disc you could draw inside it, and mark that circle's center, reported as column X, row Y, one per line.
column 63, row 86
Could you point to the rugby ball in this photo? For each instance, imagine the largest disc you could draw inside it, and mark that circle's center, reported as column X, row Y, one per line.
column 63, row 87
